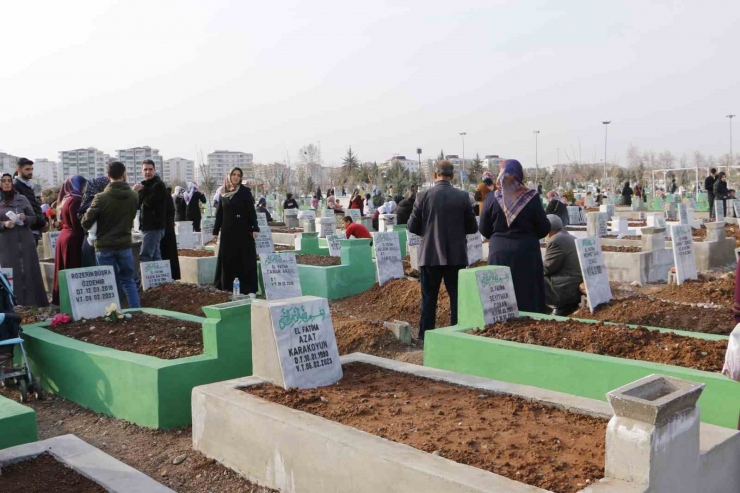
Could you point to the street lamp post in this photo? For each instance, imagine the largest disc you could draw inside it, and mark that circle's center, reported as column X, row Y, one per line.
column 605, row 134
column 536, row 161
column 462, row 182
column 729, row 163
column 418, row 151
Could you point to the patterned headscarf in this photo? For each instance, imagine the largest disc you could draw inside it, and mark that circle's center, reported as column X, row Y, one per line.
column 9, row 195
column 72, row 187
column 179, row 191
column 227, row 190
column 192, row 187
column 94, row 187
column 488, row 175
column 511, row 193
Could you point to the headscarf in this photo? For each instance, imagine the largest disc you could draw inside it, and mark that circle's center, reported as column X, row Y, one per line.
column 178, row 192
column 487, row 175
column 388, row 208
column 94, row 187
column 511, row 193
column 72, row 187
column 10, row 195
column 331, row 202
column 227, row 190
column 192, row 188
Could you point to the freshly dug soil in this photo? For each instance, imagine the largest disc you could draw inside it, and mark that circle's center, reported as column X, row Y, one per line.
column 625, row 249
column 319, row 260
column 45, row 474
column 283, row 248
column 398, row 299
column 358, row 335
column 407, row 270
column 34, row 314
column 612, row 340
column 644, row 310
column 625, row 237
column 524, row 441
column 575, row 228
column 195, row 253
column 480, row 263
column 720, row 291
column 286, row 230
column 183, row 298
column 275, row 223
column 637, row 224
column 152, row 335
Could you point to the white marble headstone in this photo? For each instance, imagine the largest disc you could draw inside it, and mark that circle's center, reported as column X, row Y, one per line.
column 574, row 215
column 719, row 211
column 91, row 291
column 280, row 275
column 354, row 214
column 596, row 224
column 263, row 242
column 155, row 273
column 593, row 270
column 326, row 226
column 388, row 256
column 335, row 245
column 497, row 295
column 683, row 253
column 475, row 248
column 683, row 217
column 262, row 220
column 386, row 222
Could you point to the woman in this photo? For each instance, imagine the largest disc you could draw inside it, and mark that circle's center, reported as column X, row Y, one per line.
column 262, row 207
column 18, row 247
column 369, row 206
column 68, row 254
column 377, row 197
column 333, row 204
column 627, row 194
column 168, row 243
column 405, row 207
column 558, row 207
column 720, row 190
column 180, row 205
column 193, row 198
column 290, row 202
column 387, row 208
column 485, row 186
column 236, row 219
column 355, row 202
column 94, row 187
column 315, row 202
column 514, row 220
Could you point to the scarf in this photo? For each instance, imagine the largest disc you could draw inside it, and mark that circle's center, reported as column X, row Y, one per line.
column 72, row 187
column 387, row 208
column 94, row 187
column 192, row 188
column 178, row 192
column 10, row 194
column 228, row 190
column 511, row 193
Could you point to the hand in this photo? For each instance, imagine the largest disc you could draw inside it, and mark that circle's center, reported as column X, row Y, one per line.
column 138, row 187
column 255, row 234
column 46, row 227
column 9, row 224
column 22, row 217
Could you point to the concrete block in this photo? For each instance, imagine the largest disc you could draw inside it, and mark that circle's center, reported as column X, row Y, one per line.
column 715, row 231
column 642, row 267
column 712, row 254
column 400, row 329
column 198, row 270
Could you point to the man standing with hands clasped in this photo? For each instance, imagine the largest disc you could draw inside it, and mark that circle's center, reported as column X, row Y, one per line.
column 443, row 217
column 152, row 201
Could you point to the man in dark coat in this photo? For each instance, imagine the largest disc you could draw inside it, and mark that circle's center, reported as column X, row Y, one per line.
column 22, row 183
column 442, row 216
column 152, row 218
column 709, row 187
column 562, row 269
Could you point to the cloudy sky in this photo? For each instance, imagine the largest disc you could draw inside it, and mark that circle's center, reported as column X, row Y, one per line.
column 384, row 77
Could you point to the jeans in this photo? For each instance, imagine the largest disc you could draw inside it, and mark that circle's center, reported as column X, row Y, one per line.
column 150, row 245
column 431, row 279
column 123, row 267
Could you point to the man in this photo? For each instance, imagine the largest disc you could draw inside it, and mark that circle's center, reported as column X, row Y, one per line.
column 443, row 217
column 153, row 198
column 562, row 269
column 114, row 210
column 354, row 229
column 709, row 187
column 22, row 183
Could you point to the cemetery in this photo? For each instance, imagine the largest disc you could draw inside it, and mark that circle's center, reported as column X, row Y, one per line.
column 17, row 424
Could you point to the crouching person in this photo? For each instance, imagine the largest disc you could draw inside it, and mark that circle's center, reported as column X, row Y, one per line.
column 562, row 269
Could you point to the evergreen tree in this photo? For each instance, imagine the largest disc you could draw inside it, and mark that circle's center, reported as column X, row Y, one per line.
column 441, row 155
column 476, row 170
column 351, row 165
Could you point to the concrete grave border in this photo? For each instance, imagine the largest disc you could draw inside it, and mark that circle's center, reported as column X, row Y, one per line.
column 87, row 461
column 17, row 424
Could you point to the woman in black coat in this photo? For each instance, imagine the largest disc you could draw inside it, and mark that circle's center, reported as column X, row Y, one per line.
column 514, row 220
column 179, row 204
column 193, row 199
column 627, row 194
column 168, row 244
column 720, row 190
column 236, row 220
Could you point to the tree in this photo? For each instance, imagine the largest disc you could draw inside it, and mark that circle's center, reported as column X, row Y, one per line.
column 441, row 155
column 207, row 182
column 351, row 165
column 476, row 170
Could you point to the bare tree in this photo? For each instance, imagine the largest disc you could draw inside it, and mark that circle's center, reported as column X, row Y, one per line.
column 207, row 182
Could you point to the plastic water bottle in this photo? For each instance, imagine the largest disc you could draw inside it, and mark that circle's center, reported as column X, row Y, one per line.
column 237, row 290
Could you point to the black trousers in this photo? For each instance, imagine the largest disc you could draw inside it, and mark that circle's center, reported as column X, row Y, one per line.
column 710, row 198
column 431, row 278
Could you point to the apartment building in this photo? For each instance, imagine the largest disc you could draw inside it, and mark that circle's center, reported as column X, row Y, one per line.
column 7, row 163
column 133, row 158
column 90, row 163
column 220, row 163
column 410, row 165
column 46, row 172
column 178, row 170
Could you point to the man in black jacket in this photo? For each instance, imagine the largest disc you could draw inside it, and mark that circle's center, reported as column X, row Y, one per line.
column 23, row 177
column 709, row 187
column 443, row 217
column 152, row 206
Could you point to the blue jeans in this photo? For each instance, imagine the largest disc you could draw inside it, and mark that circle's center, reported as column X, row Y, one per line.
column 123, row 267
column 150, row 245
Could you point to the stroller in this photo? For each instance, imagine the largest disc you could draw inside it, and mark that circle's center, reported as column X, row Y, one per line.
column 10, row 330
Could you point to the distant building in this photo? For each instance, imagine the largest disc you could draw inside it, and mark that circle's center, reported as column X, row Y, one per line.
column 7, row 163
column 46, row 172
column 220, row 163
column 90, row 163
column 492, row 162
column 133, row 158
column 410, row 165
column 178, row 170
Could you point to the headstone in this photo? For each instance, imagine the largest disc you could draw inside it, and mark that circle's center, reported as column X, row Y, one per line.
column 475, row 248
column 185, row 237
column 620, row 225
column 307, row 215
column 596, row 224
column 50, row 244
column 386, row 222
column 719, row 210
column 87, row 292
column 683, row 253
column 593, row 270
column 326, row 226
column 262, row 220
column 263, row 242
column 683, row 217
column 327, row 213
column 280, row 275
column 291, row 218
column 652, row 239
column 8, row 272
column 609, row 209
column 736, row 207
column 497, row 294
column 297, row 347
column 354, row 214
column 155, row 273
column 388, row 256
column 574, row 215
column 590, row 202
column 655, row 220
column 412, row 239
column 335, row 245
column 670, row 211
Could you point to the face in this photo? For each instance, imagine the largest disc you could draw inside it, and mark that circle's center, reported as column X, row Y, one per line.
column 148, row 171
column 6, row 184
column 235, row 177
column 346, row 224
column 26, row 172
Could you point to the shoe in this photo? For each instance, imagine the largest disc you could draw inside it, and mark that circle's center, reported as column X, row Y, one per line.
column 564, row 311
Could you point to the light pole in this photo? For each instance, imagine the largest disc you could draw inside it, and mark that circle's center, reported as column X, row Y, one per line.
column 536, row 162
column 418, row 151
column 603, row 185
column 729, row 163
column 462, row 180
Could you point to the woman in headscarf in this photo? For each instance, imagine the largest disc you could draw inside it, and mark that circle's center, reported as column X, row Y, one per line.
column 387, row 208
column 514, row 220
column 68, row 254
column 355, row 202
column 18, row 247
column 333, row 204
column 627, row 194
column 558, row 207
column 485, row 186
column 236, row 220
column 377, row 197
column 193, row 199
column 179, row 198
column 94, row 187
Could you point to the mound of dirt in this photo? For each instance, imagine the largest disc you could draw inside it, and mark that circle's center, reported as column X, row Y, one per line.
column 183, row 298
column 720, row 291
column 357, row 335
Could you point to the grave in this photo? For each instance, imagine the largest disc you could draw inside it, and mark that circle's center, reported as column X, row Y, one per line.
column 280, row 276
column 307, row 219
column 474, row 247
column 17, row 424
column 198, row 270
column 683, row 253
column 155, row 274
column 142, row 389
column 291, row 218
column 716, row 250
column 388, row 258
column 386, row 222
column 87, row 292
column 719, row 211
column 644, row 267
column 594, row 272
column 186, row 238
column 575, row 216
column 326, row 226
column 596, row 224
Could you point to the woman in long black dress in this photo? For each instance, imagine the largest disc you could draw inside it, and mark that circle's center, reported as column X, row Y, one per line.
column 236, row 220
column 193, row 198
column 179, row 199
column 514, row 220
column 627, row 194
column 168, row 243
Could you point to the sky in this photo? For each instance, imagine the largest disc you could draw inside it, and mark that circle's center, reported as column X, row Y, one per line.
column 382, row 77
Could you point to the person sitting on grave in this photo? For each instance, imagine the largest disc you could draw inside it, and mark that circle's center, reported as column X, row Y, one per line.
column 262, row 207
column 355, row 230
column 558, row 207
column 562, row 269
column 333, row 204
column 290, row 202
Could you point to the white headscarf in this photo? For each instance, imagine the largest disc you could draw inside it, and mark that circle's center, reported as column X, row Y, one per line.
column 387, row 208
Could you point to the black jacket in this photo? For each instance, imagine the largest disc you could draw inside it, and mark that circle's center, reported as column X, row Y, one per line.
column 559, row 209
column 443, row 217
column 290, row 204
column 193, row 207
column 404, row 210
column 267, row 213
column 180, row 209
column 709, row 184
column 152, row 202
column 720, row 190
column 27, row 192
